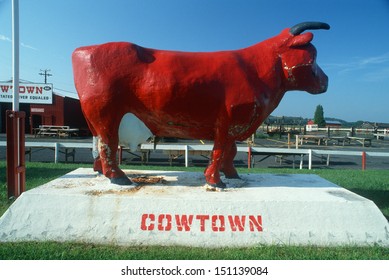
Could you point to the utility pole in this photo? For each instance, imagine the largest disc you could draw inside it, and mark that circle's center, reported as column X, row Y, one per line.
column 46, row 74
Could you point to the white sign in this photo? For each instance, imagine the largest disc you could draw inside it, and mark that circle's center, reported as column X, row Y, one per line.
column 312, row 127
column 37, row 110
column 28, row 93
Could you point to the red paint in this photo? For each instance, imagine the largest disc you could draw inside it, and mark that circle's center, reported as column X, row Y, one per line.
column 249, row 158
column 202, row 219
column 221, row 96
column 363, row 160
column 218, row 223
column 184, row 222
column 147, row 222
column 16, row 166
column 237, row 222
column 164, row 222
column 255, row 223
column 204, row 223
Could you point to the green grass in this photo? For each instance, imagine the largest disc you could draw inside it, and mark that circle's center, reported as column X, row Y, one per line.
column 78, row 251
column 372, row 184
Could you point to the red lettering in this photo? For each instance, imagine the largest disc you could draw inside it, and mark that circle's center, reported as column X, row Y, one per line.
column 164, row 222
column 221, row 219
column 22, row 89
column 147, row 222
column 255, row 222
column 5, row 88
column 237, row 222
column 30, row 89
column 202, row 219
column 184, row 222
column 38, row 90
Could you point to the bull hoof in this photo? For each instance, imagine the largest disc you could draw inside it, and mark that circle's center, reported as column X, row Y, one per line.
column 121, row 181
column 218, row 187
column 235, row 176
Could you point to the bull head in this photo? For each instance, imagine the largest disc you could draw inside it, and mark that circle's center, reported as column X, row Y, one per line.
column 299, row 59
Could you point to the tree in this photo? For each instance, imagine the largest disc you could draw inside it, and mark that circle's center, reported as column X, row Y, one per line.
column 319, row 116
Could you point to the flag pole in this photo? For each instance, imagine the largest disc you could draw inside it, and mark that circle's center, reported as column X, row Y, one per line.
column 16, row 171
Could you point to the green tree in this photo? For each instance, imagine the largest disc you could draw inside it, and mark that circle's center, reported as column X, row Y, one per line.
column 319, row 116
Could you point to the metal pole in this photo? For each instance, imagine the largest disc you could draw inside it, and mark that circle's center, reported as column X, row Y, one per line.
column 363, row 160
column 56, row 152
column 186, row 156
column 249, row 157
column 15, row 54
column 15, row 80
column 15, row 120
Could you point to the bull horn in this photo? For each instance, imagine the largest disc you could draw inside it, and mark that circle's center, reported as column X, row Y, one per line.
column 301, row 27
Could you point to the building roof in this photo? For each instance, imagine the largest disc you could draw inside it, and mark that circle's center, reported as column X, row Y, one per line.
column 63, row 93
column 333, row 122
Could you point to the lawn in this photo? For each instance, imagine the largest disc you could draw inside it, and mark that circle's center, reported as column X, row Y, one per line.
column 372, row 184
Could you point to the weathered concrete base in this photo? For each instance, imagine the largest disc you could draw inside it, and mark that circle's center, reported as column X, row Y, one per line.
column 174, row 208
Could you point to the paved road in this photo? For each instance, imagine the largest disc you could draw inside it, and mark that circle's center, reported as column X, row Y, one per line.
column 160, row 158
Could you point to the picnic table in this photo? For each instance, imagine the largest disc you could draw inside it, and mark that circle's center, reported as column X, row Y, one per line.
column 366, row 142
column 317, row 139
column 55, row 131
column 382, row 136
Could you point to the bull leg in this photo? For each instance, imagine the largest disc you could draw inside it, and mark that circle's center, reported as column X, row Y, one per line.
column 95, row 150
column 212, row 172
column 108, row 147
column 105, row 145
column 96, row 156
column 228, row 162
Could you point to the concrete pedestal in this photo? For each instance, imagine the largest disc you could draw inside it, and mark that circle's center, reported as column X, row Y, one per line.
column 174, row 208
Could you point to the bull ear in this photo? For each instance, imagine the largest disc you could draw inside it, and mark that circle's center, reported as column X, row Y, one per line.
column 301, row 40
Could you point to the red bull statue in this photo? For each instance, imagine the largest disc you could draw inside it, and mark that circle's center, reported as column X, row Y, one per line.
column 220, row 96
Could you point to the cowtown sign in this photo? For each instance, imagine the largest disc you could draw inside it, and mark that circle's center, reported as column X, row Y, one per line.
column 215, row 223
column 28, row 93
column 274, row 209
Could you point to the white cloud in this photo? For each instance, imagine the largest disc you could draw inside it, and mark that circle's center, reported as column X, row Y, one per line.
column 7, row 39
column 374, row 66
column 374, row 60
column 28, row 47
column 379, row 75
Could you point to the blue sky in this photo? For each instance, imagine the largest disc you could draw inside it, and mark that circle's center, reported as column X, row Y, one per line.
column 354, row 53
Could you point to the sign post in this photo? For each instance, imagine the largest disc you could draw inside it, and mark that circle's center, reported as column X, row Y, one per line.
column 15, row 120
column 16, row 170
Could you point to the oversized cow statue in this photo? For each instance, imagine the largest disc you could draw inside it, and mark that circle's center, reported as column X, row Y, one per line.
column 221, row 96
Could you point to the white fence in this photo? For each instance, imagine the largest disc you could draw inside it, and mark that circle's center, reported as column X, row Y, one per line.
column 188, row 150
column 57, row 147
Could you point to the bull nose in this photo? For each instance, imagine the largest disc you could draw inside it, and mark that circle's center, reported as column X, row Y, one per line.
column 323, row 81
column 324, row 84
